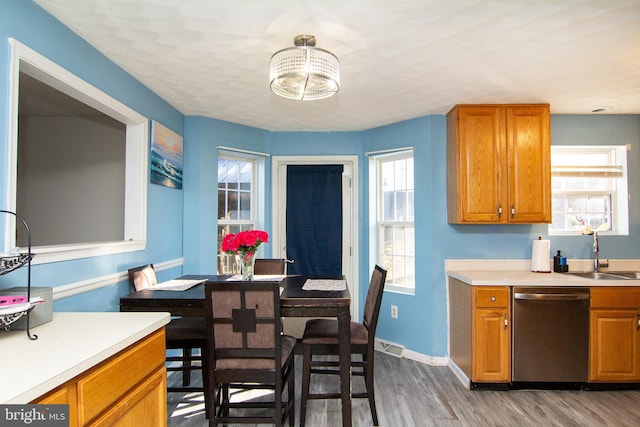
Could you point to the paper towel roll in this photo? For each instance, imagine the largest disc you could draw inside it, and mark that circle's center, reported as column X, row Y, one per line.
column 541, row 256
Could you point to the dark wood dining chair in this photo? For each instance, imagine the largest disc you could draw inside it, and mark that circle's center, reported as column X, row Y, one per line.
column 183, row 333
column 246, row 351
column 270, row 266
column 321, row 338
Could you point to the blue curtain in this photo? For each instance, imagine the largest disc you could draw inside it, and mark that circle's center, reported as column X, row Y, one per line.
column 314, row 219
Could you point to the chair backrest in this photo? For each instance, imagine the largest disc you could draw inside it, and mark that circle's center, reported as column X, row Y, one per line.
column 269, row 266
column 243, row 318
column 142, row 277
column 374, row 300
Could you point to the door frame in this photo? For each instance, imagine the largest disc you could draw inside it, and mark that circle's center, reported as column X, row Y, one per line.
column 349, row 213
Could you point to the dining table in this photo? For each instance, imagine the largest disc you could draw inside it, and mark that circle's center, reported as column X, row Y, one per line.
column 294, row 302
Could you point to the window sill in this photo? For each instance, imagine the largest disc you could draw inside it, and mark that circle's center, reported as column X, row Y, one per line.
column 579, row 234
column 57, row 253
column 400, row 290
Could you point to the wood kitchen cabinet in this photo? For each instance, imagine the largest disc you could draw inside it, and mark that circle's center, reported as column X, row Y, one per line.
column 128, row 389
column 499, row 164
column 614, row 354
column 480, row 340
column 491, row 340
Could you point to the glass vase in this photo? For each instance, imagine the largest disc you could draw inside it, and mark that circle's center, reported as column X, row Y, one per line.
column 246, row 263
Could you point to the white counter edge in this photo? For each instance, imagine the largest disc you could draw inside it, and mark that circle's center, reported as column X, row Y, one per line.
column 532, row 279
column 36, row 367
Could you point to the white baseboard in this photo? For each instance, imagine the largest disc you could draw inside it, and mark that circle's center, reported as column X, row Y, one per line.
column 427, row 360
column 459, row 374
column 400, row 351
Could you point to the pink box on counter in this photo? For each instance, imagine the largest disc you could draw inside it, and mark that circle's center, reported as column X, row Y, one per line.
column 41, row 313
column 7, row 300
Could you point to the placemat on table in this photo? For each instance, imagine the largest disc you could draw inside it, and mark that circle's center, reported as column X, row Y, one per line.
column 324, row 285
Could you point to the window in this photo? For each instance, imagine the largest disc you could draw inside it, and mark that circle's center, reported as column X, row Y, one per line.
column 237, row 204
column 31, row 77
column 394, row 219
column 589, row 188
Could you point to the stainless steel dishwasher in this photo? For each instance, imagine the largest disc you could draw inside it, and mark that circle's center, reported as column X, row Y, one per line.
column 550, row 334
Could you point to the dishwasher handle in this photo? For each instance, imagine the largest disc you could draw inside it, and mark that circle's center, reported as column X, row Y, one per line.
column 541, row 296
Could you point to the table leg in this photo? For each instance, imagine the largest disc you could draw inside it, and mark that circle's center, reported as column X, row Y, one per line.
column 344, row 349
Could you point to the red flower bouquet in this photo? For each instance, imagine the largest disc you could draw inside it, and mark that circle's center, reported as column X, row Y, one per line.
column 244, row 246
column 244, row 242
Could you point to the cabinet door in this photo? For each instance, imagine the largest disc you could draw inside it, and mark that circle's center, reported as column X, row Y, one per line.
column 480, row 167
column 63, row 395
column 146, row 402
column 528, row 164
column 491, row 346
column 615, row 345
column 106, row 384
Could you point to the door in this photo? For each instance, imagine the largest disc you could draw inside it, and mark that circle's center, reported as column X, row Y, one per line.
column 314, row 219
column 615, row 345
column 481, row 168
column 491, row 346
column 550, row 334
column 283, row 236
column 529, row 164
column 491, row 336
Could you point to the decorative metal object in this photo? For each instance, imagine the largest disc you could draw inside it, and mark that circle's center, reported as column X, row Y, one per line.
column 9, row 317
column 304, row 72
column 8, row 264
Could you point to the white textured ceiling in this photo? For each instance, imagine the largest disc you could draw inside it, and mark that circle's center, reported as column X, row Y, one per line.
column 399, row 59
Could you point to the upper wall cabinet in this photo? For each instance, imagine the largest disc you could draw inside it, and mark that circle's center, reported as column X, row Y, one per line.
column 498, row 164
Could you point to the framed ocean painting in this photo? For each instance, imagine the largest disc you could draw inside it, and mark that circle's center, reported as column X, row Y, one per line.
column 166, row 156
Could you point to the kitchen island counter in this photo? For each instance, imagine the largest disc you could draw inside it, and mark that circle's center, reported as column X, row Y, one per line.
column 67, row 346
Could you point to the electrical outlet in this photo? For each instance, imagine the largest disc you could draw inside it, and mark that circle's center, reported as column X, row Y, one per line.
column 394, row 311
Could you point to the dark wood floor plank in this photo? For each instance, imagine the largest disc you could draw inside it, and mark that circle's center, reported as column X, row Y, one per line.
column 410, row 394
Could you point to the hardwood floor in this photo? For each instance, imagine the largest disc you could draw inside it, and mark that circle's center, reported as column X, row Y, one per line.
column 410, row 394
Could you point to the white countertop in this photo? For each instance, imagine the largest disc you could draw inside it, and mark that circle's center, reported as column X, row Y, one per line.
column 530, row 278
column 67, row 346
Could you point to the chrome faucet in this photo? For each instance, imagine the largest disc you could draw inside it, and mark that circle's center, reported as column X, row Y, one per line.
column 596, row 259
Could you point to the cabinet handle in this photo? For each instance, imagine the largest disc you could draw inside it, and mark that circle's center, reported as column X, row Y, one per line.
column 513, row 211
column 499, row 210
column 638, row 316
column 506, row 322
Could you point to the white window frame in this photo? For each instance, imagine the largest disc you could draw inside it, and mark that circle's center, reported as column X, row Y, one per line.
column 256, row 220
column 616, row 171
column 28, row 61
column 375, row 211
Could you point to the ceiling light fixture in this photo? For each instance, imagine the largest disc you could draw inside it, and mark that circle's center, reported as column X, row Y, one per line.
column 304, row 72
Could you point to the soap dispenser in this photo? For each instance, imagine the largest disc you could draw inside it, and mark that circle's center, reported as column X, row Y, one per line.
column 560, row 263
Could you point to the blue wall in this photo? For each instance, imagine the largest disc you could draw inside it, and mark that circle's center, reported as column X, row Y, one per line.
column 35, row 28
column 422, row 323
column 603, row 130
column 183, row 223
column 202, row 136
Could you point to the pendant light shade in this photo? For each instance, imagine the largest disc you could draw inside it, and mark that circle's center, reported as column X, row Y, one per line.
column 304, row 72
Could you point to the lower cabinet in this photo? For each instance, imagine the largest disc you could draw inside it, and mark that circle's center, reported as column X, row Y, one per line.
column 480, row 331
column 614, row 335
column 491, row 339
column 128, row 389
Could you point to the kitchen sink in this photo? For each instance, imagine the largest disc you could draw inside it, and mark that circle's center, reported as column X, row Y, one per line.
column 603, row 276
column 626, row 274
